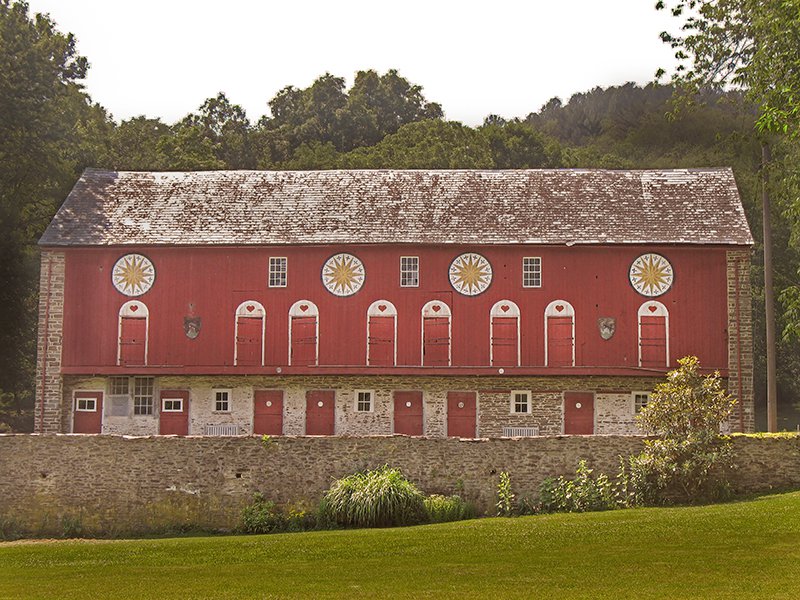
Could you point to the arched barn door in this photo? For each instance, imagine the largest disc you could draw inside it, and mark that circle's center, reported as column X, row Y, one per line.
column 133, row 328
column 381, row 334
column 250, row 326
column 559, row 333
column 436, row 334
column 653, row 335
column 303, row 333
column 504, row 334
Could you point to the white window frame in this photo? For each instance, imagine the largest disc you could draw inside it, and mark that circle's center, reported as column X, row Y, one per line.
column 227, row 400
column 79, row 400
column 637, row 407
column 166, row 399
column 357, row 398
column 534, row 271
column 409, row 271
column 279, row 267
column 136, row 396
column 111, row 389
column 513, row 402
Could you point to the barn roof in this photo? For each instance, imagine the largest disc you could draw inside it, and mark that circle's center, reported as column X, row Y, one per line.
column 582, row 206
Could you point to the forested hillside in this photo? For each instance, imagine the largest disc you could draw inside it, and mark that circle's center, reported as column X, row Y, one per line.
column 50, row 130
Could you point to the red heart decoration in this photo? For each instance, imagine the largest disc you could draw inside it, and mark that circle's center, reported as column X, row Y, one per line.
column 304, row 307
column 436, row 308
column 381, row 307
column 250, row 308
column 559, row 307
column 652, row 308
column 134, row 308
column 505, row 307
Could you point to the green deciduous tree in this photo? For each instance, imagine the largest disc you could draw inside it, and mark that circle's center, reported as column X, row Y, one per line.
column 44, row 118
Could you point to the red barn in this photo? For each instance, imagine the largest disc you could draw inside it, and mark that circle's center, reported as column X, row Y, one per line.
column 468, row 303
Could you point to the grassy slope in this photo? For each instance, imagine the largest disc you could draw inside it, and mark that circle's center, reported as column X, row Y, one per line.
column 745, row 549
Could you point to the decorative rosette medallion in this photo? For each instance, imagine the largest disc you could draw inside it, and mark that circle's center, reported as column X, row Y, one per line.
column 651, row 275
column 343, row 274
column 470, row 274
column 133, row 275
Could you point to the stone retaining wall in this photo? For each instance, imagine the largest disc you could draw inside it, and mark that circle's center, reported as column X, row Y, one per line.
column 124, row 484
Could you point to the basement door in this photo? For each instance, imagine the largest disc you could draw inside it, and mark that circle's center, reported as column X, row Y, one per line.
column 174, row 415
column 578, row 413
column 268, row 412
column 320, row 412
column 88, row 412
column 408, row 413
column 462, row 414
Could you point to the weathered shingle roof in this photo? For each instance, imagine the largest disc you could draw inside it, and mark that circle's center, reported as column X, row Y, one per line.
column 691, row 206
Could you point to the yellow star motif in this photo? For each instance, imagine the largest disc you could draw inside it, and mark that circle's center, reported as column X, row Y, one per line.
column 652, row 273
column 470, row 274
column 343, row 274
column 133, row 274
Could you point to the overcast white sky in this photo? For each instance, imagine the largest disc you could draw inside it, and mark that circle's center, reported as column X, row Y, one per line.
column 163, row 58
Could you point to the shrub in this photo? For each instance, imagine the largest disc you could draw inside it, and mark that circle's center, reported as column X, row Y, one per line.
column 264, row 516
column 582, row 494
column 442, row 509
column 379, row 498
column 505, row 496
column 689, row 462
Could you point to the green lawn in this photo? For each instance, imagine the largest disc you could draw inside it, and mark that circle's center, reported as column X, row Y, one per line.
column 745, row 549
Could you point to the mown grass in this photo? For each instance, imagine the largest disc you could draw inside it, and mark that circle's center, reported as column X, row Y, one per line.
column 737, row 550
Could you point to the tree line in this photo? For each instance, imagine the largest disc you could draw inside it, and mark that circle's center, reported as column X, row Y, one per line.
column 51, row 129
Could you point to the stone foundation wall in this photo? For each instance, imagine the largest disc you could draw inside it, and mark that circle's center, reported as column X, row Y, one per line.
column 124, row 484
column 740, row 340
column 614, row 413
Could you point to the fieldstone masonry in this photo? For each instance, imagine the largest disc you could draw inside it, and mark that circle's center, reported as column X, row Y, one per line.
column 740, row 340
column 127, row 484
column 49, row 396
column 614, row 409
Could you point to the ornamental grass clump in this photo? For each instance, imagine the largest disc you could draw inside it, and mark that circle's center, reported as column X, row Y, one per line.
column 379, row 498
column 443, row 509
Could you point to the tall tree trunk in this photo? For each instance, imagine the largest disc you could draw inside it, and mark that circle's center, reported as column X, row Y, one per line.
column 769, row 292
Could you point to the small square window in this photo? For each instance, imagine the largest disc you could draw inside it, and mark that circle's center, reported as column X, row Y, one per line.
column 119, row 386
column 86, row 404
column 640, row 400
column 409, row 271
column 143, row 395
column 172, row 405
column 277, row 271
column 363, row 401
column 222, row 400
column 532, row 272
column 520, row 402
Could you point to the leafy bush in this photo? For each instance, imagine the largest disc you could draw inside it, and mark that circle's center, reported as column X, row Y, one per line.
column 442, row 509
column 689, row 462
column 264, row 516
column 582, row 494
column 505, row 496
column 379, row 498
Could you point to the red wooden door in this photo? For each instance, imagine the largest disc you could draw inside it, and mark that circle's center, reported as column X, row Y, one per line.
column 559, row 342
column 461, row 414
column 268, row 412
column 249, row 340
column 173, row 417
column 578, row 413
column 133, row 332
column 653, row 341
column 504, row 341
column 408, row 413
column 436, row 342
column 88, row 412
column 381, row 341
column 304, row 341
column 320, row 412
